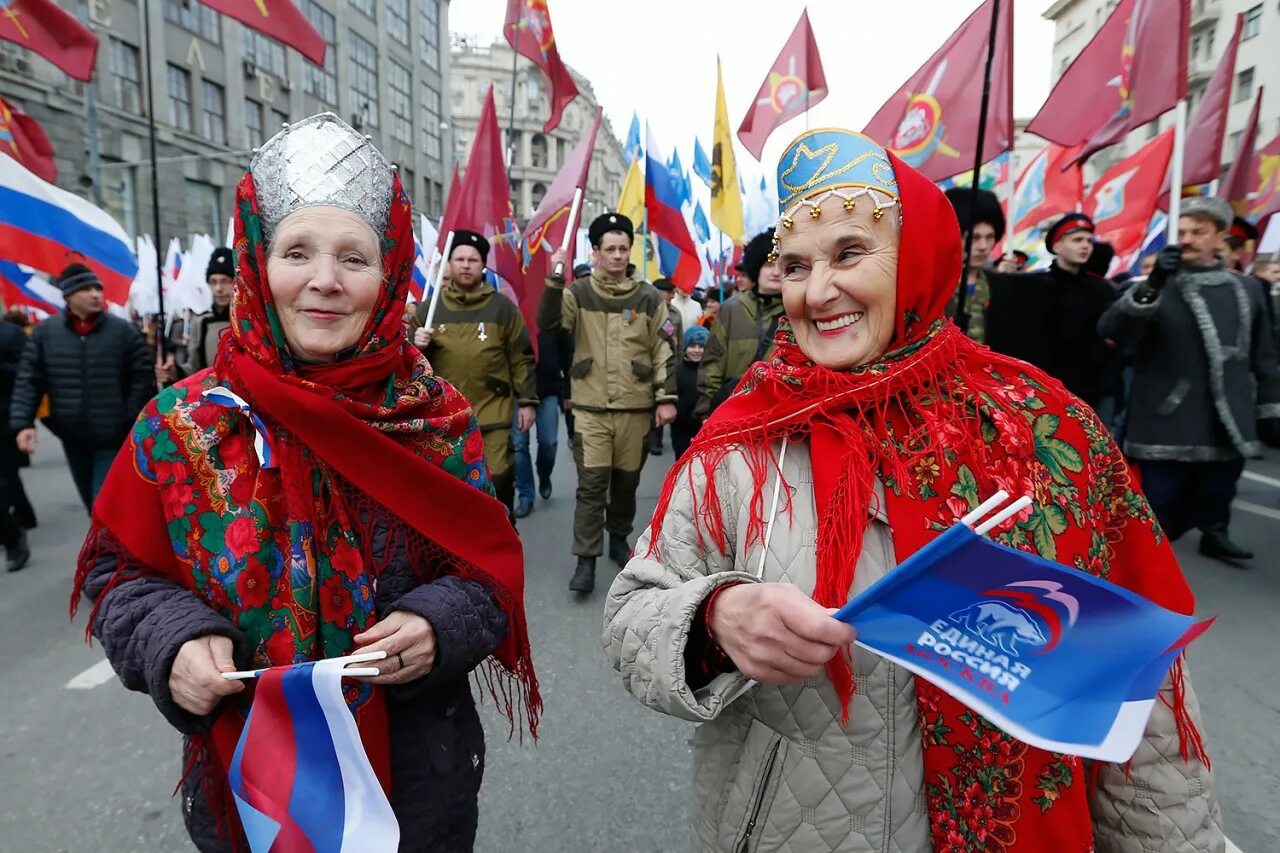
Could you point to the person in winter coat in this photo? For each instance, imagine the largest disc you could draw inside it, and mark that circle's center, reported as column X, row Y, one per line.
column 13, row 341
column 551, row 373
column 882, row 424
column 1206, row 386
column 97, row 371
column 1050, row 318
column 685, row 426
column 270, row 510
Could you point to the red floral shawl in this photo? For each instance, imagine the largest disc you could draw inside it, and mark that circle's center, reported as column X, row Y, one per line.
column 944, row 423
column 283, row 550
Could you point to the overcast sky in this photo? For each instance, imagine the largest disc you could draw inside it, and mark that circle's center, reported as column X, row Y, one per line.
column 658, row 57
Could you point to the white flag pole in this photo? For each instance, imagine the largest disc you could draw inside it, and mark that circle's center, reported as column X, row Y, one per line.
column 1175, row 169
column 570, row 229
column 435, row 293
column 362, row 657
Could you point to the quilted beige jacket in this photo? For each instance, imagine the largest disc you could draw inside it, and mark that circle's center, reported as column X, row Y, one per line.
column 774, row 770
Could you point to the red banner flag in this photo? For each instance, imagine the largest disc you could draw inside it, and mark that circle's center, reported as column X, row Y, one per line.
column 1051, row 185
column 279, row 19
column 1202, row 155
column 1132, row 71
column 528, row 31
column 550, row 222
column 41, row 27
column 1122, row 201
column 1265, row 175
column 1240, row 178
column 795, row 83
column 25, row 141
column 932, row 121
column 484, row 201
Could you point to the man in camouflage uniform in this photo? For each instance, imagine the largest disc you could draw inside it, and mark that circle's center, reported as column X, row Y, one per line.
column 623, row 381
column 478, row 341
column 743, row 331
column 987, row 221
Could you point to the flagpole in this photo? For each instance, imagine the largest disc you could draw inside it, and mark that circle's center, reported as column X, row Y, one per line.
column 1175, row 169
column 722, row 268
column 961, row 317
column 155, row 181
column 570, row 230
column 511, row 126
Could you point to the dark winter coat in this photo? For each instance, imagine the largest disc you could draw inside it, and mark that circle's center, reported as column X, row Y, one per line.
column 97, row 383
column 1204, row 370
column 13, row 342
column 437, row 742
column 1050, row 319
column 555, row 357
column 687, row 395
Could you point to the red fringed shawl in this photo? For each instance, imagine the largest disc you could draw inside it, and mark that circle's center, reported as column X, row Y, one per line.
column 284, row 551
column 944, row 423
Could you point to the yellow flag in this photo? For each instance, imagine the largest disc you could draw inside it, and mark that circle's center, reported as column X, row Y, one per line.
column 726, row 201
column 631, row 205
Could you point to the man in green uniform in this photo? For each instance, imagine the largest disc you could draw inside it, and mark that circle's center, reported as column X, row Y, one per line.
column 743, row 331
column 478, row 341
column 623, row 381
column 986, row 218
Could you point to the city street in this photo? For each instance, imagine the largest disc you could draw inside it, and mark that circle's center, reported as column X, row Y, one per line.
column 90, row 767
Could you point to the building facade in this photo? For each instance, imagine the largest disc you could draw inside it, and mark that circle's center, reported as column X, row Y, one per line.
column 220, row 89
column 1211, row 26
column 475, row 66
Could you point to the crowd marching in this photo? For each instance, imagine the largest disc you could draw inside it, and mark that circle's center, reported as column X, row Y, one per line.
column 333, row 460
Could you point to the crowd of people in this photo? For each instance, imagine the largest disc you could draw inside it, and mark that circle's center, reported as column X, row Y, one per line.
column 269, row 506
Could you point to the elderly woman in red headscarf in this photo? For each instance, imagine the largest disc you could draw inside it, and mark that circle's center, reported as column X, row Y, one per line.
column 876, row 425
column 317, row 492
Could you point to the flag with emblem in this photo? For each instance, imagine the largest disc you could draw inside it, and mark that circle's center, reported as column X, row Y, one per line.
column 23, row 139
column 528, row 31
column 1263, row 198
column 279, row 19
column 43, row 28
column 726, row 195
column 795, row 84
column 1055, row 657
column 1236, row 186
column 1051, row 184
column 931, row 122
column 1123, row 199
column 1132, row 71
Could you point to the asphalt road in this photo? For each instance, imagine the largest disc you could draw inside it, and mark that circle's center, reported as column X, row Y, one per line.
column 87, row 766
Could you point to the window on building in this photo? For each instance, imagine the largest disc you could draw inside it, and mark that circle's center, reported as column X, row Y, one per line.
column 536, row 194
column 366, row 6
column 1195, row 48
column 407, row 180
column 429, row 32
column 398, row 20
column 364, row 80
column 1233, row 144
column 538, row 151
column 278, row 120
column 1244, row 85
column 1208, row 43
column 435, row 198
column 400, row 86
column 253, row 121
column 204, row 213
column 266, row 53
column 120, row 197
column 322, row 82
column 1252, row 23
column 431, row 121
column 125, row 82
column 179, row 98
column 213, row 105
column 194, row 17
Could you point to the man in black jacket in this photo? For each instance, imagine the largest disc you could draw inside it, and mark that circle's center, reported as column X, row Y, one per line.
column 12, row 342
column 551, row 373
column 97, row 373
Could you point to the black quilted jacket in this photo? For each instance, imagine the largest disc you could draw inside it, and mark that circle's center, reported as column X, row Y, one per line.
column 437, row 743
column 97, row 383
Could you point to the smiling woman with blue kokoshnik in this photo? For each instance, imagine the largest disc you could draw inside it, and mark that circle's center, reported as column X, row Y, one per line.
column 874, row 426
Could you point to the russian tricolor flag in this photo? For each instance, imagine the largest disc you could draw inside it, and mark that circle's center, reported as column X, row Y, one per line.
column 418, row 284
column 300, row 776
column 666, row 220
column 47, row 228
column 20, row 286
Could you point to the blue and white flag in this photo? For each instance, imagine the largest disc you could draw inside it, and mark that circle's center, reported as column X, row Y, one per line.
column 702, row 228
column 634, row 149
column 701, row 163
column 1055, row 657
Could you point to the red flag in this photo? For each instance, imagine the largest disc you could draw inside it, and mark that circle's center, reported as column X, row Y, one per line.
column 550, row 222
column 1122, row 201
column 24, row 140
column 1052, row 184
column 1133, row 70
column 528, row 31
column 932, row 121
column 1265, row 176
column 484, row 201
column 40, row 26
column 279, row 19
column 1240, row 177
column 795, row 83
column 1202, row 154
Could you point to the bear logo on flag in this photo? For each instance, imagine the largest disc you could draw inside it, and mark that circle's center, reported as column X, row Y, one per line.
column 1001, row 625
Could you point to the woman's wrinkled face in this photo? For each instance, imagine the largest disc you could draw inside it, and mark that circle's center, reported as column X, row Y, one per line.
column 325, row 274
column 840, row 282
